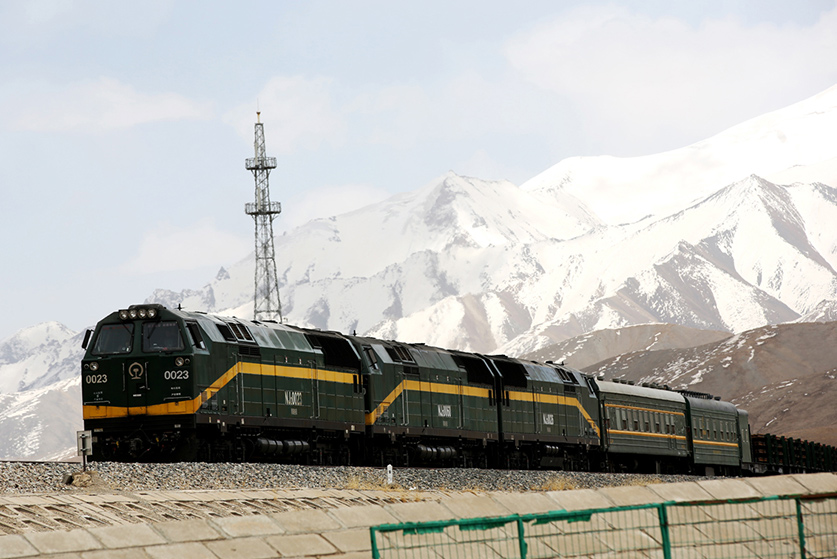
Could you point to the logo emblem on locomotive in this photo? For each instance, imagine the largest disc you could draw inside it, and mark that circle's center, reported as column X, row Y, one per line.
column 135, row 370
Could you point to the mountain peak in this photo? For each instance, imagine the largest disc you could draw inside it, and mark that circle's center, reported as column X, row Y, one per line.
column 32, row 337
column 625, row 189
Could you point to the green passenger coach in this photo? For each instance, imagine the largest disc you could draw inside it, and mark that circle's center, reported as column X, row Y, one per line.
column 714, row 434
column 644, row 428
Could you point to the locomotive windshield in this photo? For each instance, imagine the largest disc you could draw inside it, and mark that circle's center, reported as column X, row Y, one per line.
column 161, row 336
column 114, row 339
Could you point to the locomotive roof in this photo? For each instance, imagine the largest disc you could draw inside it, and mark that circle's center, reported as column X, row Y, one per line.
column 265, row 334
column 549, row 373
column 632, row 390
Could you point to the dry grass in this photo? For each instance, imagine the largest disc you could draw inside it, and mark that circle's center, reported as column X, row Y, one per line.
column 358, row 483
column 556, row 483
column 363, row 484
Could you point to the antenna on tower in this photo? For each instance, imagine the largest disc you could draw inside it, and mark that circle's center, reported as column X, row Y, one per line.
column 266, row 304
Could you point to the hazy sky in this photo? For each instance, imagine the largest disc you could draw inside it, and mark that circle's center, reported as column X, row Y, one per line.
column 124, row 125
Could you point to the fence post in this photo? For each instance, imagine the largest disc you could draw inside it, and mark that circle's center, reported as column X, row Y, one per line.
column 375, row 553
column 801, row 527
column 521, row 540
column 662, row 510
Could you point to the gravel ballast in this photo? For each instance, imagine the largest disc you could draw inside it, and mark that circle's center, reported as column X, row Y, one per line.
column 49, row 477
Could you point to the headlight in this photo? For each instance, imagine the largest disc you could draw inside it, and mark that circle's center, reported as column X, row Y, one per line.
column 94, row 366
column 152, row 313
column 142, row 313
column 123, row 315
column 132, row 313
column 178, row 361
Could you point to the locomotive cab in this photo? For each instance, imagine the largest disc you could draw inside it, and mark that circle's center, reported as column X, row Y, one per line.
column 139, row 362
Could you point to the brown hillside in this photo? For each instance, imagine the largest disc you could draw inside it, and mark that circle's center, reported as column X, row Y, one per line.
column 583, row 351
column 785, row 376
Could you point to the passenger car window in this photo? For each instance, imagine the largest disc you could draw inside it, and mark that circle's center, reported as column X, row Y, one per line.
column 114, row 338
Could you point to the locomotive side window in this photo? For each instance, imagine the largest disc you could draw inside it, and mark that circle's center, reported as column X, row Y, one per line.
column 590, row 386
column 565, row 375
column 226, row 332
column 241, row 332
column 195, row 334
column 399, row 354
column 234, row 327
column 114, row 339
column 247, row 335
column 370, row 354
column 161, row 336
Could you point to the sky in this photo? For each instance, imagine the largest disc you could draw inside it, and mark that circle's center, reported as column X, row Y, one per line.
column 124, row 126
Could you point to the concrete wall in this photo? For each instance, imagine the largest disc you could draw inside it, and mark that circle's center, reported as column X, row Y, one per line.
column 304, row 523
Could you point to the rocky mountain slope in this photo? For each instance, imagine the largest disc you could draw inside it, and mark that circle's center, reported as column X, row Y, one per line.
column 752, row 253
column 40, row 393
column 784, row 375
column 588, row 349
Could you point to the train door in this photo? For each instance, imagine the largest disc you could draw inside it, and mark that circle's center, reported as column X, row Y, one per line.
column 404, row 410
column 237, row 406
column 606, row 424
column 563, row 412
column 671, row 425
column 535, row 394
column 412, row 397
column 268, row 377
column 135, row 379
column 231, row 395
column 251, row 387
column 460, row 399
column 315, row 390
column 539, row 409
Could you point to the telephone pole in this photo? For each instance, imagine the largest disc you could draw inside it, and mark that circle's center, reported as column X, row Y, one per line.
column 266, row 304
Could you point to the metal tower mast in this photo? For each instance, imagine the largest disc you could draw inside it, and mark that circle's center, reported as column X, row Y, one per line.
column 266, row 305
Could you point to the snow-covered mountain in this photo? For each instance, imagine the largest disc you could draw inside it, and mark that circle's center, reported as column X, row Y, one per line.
column 589, row 349
column 750, row 254
column 699, row 237
column 40, row 393
column 737, row 260
column 38, row 356
column 41, row 423
column 794, row 144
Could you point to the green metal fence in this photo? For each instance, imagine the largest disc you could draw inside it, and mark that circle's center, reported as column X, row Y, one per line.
column 787, row 527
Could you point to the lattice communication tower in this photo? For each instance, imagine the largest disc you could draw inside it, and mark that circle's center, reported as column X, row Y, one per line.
column 266, row 305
